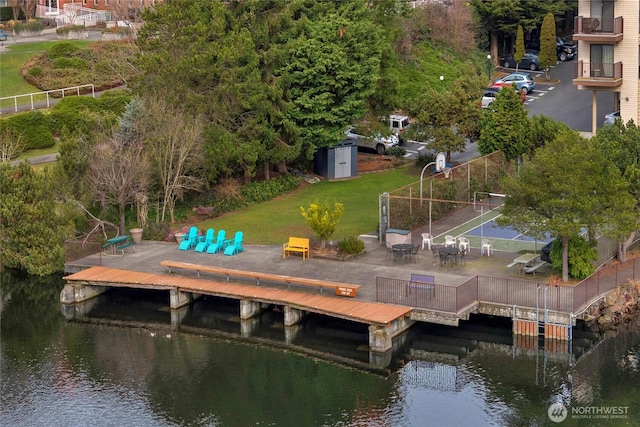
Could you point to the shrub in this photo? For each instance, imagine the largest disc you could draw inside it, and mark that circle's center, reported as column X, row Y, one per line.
column 257, row 192
column 69, row 28
column 31, row 26
column 351, row 245
column 11, row 24
column 33, row 127
column 424, row 159
column 156, row 231
column 581, row 254
column 62, row 49
column 77, row 63
column 35, row 72
column 397, row 152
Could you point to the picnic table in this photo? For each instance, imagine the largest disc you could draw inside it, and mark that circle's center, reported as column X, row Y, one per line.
column 524, row 260
column 118, row 242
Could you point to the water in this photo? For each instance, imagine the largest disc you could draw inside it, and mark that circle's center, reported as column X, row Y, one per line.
column 119, row 362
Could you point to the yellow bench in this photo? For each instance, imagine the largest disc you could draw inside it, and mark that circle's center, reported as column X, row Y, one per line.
column 341, row 289
column 296, row 244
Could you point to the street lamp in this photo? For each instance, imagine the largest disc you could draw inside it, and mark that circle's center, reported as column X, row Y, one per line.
column 430, row 190
column 442, row 80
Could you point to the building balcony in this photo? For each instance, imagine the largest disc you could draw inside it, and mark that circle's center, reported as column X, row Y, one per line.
column 598, row 30
column 597, row 74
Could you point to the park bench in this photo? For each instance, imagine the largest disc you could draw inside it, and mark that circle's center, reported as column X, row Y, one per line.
column 341, row 289
column 296, row 244
column 129, row 244
column 422, row 282
column 533, row 268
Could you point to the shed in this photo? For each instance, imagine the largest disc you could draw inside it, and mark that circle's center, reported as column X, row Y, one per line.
column 339, row 161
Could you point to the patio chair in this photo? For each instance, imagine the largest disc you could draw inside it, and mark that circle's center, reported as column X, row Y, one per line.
column 189, row 240
column 463, row 244
column 217, row 244
column 234, row 246
column 205, row 241
column 436, row 254
column 428, row 239
column 486, row 245
column 449, row 240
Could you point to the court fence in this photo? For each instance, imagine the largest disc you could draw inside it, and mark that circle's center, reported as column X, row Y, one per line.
column 417, row 204
column 524, row 293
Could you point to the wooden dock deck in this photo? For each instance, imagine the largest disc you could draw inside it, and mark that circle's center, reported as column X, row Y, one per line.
column 389, row 317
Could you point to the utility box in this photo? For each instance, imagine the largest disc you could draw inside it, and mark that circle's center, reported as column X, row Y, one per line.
column 339, row 161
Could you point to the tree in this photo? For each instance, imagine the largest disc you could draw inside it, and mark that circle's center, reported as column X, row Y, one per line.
column 118, row 168
column 544, row 129
column 548, row 52
column 620, row 144
column 322, row 221
column 548, row 195
column 11, row 145
column 519, row 53
column 505, row 126
column 32, row 222
column 332, row 71
column 173, row 145
column 445, row 117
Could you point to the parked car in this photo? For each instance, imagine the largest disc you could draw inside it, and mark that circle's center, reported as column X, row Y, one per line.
column 528, row 61
column 3, row 36
column 397, row 124
column 491, row 92
column 610, row 118
column 565, row 50
column 379, row 142
column 489, row 96
column 519, row 80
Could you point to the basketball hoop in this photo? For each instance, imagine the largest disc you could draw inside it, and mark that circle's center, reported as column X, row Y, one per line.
column 447, row 172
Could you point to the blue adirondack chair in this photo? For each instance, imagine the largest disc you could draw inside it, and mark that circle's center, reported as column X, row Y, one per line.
column 217, row 244
column 189, row 240
column 234, row 246
column 205, row 241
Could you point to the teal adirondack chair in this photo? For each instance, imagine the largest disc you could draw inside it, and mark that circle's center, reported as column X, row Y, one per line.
column 217, row 244
column 205, row 241
column 234, row 246
column 189, row 240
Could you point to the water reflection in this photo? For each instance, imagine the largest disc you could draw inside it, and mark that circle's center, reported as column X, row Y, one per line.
column 125, row 360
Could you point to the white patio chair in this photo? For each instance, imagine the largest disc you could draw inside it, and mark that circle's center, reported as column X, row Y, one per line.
column 486, row 244
column 449, row 240
column 428, row 239
column 463, row 244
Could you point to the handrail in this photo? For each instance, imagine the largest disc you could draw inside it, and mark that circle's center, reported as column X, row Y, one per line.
column 31, row 95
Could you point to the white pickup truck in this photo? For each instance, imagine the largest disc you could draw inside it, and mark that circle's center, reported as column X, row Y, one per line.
column 378, row 142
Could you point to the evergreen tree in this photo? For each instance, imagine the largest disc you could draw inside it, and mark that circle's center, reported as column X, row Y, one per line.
column 548, row 49
column 519, row 53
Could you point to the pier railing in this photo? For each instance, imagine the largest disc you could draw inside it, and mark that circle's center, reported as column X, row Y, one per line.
column 508, row 291
column 83, row 246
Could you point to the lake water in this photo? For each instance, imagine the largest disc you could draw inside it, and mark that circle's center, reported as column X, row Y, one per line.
column 118, row 361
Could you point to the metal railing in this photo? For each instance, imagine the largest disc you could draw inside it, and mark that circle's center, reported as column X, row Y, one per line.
column 584, row 25
column 48, row 95
column 511, row 292
column 597, row 70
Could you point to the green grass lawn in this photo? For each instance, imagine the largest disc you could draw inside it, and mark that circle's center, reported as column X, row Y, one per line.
column 274, row 221
column 11, row 61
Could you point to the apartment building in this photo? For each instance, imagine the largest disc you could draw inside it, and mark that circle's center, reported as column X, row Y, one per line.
column 607, row 33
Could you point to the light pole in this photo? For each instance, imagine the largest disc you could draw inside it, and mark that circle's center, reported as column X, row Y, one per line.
column 430, row 190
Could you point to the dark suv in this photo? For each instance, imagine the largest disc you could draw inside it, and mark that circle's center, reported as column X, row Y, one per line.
column 564, row 50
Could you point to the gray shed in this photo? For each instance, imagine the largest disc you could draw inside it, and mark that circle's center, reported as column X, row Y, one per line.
column 339, row 161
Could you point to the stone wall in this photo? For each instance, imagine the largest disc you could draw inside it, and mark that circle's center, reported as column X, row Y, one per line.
column 617, row 308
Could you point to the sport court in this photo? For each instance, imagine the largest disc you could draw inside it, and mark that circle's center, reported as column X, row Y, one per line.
column 483, row 225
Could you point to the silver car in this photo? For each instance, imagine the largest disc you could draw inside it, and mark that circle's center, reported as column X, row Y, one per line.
column 610, row 118
column 379, row 142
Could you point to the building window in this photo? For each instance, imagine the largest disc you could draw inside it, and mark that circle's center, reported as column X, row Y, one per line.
column 601, row 60
column 603, row 11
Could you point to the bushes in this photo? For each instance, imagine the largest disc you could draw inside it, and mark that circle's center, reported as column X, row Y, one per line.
column 581, row 255
column 62, row 50
column 69, row 28
column 29, row 27
column 351, row 245
column 33, row 128
column 77, row 63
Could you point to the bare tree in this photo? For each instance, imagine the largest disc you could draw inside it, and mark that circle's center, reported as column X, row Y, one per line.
column 28, row 8
column 15, row 8
column 174, row 147
column 11, row 146
column 118, row 172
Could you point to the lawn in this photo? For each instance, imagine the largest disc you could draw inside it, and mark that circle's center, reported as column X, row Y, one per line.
column 274, row 221
column 11, row 62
